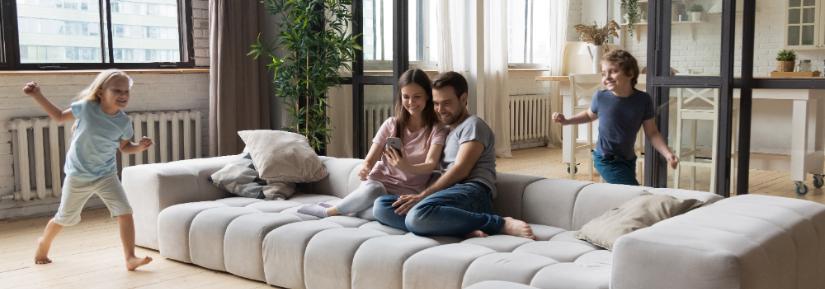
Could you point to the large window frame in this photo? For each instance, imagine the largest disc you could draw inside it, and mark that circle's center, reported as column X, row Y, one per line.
column 529, row 33
column 10, row 47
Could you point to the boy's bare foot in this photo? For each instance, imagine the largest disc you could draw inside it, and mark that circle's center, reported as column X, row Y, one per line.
column 133, row 263
column 42, row 254
column 476, row 234
column 518, row 228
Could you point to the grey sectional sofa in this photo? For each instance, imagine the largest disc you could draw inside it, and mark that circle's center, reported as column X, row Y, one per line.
column 740, row 242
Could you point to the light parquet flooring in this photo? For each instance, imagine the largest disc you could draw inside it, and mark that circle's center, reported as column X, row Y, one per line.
column 89, row 256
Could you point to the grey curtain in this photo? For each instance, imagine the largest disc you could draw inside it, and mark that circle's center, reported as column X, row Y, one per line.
column 239, row 94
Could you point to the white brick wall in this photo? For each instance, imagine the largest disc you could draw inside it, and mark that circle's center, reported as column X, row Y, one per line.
column 200, row 32
column 702, row 56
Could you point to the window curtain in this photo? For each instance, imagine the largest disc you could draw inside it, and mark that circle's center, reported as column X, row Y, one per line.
column 473, row 41
column 239, row 97
column 559, row 9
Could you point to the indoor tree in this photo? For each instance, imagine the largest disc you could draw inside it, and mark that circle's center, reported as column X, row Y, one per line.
column 312, row 47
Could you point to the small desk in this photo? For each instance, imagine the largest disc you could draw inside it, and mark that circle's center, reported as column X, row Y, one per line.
column 807, row 153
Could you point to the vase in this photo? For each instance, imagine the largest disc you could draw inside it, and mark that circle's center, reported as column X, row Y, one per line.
column 596, row 52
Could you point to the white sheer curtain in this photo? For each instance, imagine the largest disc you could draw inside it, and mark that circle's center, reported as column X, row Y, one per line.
column 495, row 95
column 473, row 42
column 557, row 16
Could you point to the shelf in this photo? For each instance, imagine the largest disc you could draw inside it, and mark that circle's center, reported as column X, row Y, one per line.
column 692, row 24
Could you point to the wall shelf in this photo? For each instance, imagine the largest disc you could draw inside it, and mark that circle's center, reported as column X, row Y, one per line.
column 638, row 26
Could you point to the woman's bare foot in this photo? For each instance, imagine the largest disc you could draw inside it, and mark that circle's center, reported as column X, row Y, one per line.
column 42, row 254
column 476, row 234
column 518, row 228
column 133, row 263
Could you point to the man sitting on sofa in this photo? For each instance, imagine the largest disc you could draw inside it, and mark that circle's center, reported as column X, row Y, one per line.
column 459, row 203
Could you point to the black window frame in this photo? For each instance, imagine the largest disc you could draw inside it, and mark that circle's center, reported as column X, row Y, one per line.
column 11, row 45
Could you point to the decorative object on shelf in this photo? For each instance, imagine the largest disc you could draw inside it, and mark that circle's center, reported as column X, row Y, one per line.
column 804, row 65
column 696, row 12
column 631, row 13
column 785, row 60
column 597, row 37
column 312, row 46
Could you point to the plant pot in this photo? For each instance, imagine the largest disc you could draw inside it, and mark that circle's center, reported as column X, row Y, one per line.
column 784, row 66
column 695, row 16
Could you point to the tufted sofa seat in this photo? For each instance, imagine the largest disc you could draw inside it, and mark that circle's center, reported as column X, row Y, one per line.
column 740, row 242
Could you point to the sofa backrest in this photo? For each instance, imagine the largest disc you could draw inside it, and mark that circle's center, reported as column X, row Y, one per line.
column 563, row 203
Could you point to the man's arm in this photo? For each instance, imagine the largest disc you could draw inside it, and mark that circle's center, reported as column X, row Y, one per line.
column 468, row 154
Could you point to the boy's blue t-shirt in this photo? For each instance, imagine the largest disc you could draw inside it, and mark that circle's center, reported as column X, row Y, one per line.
column 619, row 121
column 96, row 140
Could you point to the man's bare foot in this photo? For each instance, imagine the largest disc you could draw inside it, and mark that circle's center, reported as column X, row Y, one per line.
column 476, row 234
column 133, row 263
column 518, row 228
column 42, row 254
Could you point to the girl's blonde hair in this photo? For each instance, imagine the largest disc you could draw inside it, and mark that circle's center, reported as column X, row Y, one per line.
column 91, row 92
column 626, row 62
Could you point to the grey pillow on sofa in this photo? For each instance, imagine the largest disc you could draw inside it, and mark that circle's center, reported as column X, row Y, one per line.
column 239, row 177
column 639, row 212
column 281, row 156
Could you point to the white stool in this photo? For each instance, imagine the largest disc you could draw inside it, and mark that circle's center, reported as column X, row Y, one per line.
column 697, row 104
column 583, row 86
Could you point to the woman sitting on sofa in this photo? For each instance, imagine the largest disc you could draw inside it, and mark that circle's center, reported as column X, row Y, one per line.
column 387, row 170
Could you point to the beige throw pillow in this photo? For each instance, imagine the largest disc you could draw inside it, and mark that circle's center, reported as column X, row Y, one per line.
column 639, row 212
column 281, row 156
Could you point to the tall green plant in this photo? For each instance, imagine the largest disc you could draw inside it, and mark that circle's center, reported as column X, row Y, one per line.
column 314, row 45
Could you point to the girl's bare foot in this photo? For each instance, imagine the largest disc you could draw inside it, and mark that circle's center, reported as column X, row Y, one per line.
column 42, row 254
column 476, row 234
column 518, row 228
column 133, row 263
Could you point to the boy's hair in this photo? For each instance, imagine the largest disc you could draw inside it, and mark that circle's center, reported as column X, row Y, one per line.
column 402, row 116
column 626, row 62
column 90, row 93
column 452, row 79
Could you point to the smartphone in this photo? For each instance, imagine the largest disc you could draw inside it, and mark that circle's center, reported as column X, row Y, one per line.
column 395, row 143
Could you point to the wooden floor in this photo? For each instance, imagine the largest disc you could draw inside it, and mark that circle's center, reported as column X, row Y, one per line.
column 89, row 255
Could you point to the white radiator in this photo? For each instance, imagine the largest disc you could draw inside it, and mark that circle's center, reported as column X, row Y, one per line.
column 39, row 148
column 530, row 118
column 374, row 115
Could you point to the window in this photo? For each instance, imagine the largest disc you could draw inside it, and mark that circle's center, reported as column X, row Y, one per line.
column 378, row 33
column 72, row 33
column 527, row 43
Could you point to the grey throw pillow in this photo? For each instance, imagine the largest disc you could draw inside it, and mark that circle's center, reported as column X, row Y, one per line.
column 239, row 177
column 281, row 156
column 639, row 212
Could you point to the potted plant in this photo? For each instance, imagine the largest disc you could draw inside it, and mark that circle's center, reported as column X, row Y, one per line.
column 631, row 13
column 312, row 46
column 696, row 12
column 785, row 60
column 597, row 37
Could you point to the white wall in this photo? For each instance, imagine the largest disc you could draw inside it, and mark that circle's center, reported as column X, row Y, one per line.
column 152, row 91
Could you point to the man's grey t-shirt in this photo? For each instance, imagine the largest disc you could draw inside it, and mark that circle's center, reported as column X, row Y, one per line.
column 619, row 121
column 473, row 129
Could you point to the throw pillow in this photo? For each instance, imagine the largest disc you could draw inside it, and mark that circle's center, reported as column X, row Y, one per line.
column 282, row 156
column 639, row 212
column 240, row 178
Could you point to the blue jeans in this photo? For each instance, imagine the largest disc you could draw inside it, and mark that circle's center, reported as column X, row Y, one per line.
column 454, row 211
column 616, row 170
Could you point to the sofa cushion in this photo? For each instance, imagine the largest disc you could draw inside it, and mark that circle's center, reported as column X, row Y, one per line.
column 639, row 212
column 283, row 156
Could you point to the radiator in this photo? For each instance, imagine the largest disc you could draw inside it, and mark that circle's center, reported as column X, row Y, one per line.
column 374, row 115
column 530, row 118
column 39, row 148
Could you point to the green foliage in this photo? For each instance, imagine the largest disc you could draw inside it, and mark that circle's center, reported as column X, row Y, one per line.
column 315, row 44
column 786, row 55
column 631, row 9
column 696, row 8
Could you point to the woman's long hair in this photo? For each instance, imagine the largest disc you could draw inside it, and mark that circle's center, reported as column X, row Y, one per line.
column 402, row 116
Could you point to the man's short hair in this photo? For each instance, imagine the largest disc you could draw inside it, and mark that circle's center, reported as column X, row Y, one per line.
column 452, row 79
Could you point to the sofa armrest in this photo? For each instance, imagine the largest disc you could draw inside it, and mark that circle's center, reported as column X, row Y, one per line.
column 151, row 188
column 748, row 241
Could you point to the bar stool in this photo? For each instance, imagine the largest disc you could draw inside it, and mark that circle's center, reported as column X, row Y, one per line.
column 583, row 86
